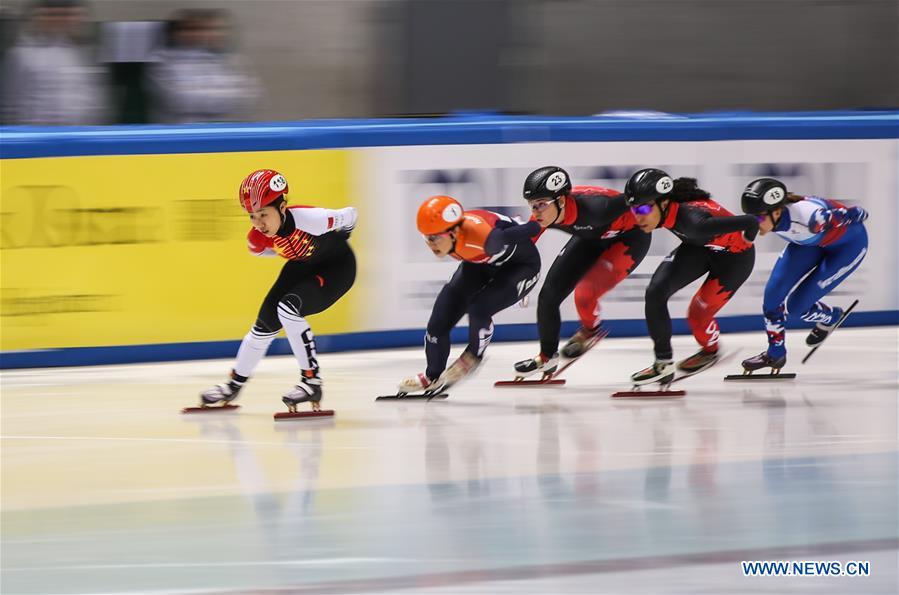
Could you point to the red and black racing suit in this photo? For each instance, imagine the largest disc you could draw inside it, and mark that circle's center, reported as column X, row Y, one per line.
column 713, row 243
column 605, row 248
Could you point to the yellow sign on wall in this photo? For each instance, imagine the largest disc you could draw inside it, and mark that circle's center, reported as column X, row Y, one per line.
column 142, row 249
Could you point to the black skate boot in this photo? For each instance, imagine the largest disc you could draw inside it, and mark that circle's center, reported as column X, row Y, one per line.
column 582, row 340
column 697, row 362
column 309, row 388
column 222, row 394
column 763, row 360
column 662, row 371
column 540, row 364
column 821, row 331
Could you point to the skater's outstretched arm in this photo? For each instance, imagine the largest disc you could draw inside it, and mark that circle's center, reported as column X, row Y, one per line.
column 507, row 232
column 826, row 219
column 700, row 223
column 318, row 221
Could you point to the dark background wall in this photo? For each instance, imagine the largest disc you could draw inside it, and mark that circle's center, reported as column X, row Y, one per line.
column 358, row 58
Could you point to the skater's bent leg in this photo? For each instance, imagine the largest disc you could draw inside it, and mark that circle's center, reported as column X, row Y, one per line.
column 793, row 264
column 658, row 319
column 614, row 264
column 480, row 325
column 256, row 342
column 680, row 268
column 728, row 272
column 298, row 332
column 314, row 290
column 549, row 317
column 323, row 286
column 563, row 276
column 836, row 265
column 252, row 349
column 449, row 307
column 775, row 328
column 511, row 283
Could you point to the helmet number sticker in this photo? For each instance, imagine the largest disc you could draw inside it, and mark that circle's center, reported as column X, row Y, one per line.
column 452, row 213
column 556, row 181
column 278, row 183
column 773, row 196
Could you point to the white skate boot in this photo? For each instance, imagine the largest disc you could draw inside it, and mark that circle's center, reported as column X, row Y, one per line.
column 308, row 389
column 222, row 394
column 541, row 364
column 462, row 367
column 418, row 384
column 661, row 371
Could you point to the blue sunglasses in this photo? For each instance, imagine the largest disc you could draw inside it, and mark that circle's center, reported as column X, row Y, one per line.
column 642, row 209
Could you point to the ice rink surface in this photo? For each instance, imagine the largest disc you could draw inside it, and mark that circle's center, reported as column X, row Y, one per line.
column 107, row 488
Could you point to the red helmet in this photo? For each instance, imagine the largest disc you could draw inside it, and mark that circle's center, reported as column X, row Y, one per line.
column 438, row 214
column 261, row 188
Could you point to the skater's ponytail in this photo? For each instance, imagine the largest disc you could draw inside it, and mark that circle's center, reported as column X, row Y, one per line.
column 687, row 190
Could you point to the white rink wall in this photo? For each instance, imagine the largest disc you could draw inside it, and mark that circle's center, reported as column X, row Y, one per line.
column 395, row 180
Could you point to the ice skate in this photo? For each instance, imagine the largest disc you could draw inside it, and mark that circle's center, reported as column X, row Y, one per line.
column 762, row 361
column 816, row 338
column 581, row 341
column 219, row 397
column 662, row 371
column 697, row 362
column 418, row 384
column 220, row 394
column 546, row 366
column 459, row 369
column 308, row 389
column 821, row 331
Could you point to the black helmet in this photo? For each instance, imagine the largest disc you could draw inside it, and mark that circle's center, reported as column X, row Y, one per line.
column 763, row 195
column 547, row 182
column 647, row 185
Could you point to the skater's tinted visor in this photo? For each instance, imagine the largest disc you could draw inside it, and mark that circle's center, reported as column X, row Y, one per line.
column 642, row 209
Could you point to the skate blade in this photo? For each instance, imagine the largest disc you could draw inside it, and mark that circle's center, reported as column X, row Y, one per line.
column 648, row 394
column 210, row 409
column 301, row 414
column 531, row 383
column 415, row 397
column 790, row 376
column 835, row 327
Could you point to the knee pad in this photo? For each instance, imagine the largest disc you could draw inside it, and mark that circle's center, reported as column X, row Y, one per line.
column 291, row 304
column 265, row 327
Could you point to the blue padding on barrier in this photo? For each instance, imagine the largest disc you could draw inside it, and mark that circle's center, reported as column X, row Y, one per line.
column 26, row 141
column 127, row 354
